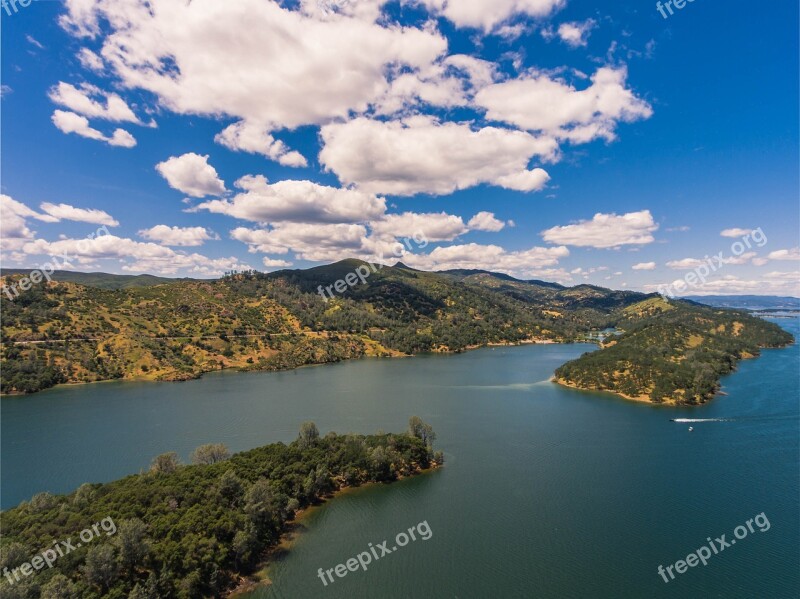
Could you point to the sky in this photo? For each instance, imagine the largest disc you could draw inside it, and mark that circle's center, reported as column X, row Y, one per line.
column 610, row 143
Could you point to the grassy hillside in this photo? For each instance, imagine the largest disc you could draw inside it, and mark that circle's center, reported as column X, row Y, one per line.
column 672, row 351
column 68, row 332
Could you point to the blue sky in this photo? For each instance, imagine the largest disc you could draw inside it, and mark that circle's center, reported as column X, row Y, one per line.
column 553, row 139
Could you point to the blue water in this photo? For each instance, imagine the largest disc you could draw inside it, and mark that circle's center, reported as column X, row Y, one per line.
column 547, row 491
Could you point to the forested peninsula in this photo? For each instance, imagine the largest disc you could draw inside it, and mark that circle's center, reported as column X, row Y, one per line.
column 190, row 531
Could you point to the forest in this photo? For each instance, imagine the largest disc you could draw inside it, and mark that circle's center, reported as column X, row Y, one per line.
column 194, row 530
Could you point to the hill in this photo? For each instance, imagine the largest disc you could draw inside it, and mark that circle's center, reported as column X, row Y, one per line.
column 71, row 332
column 99, row 279
column 671, row 351
column 668, row 351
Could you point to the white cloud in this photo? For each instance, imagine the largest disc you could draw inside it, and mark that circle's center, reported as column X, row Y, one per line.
column 488, row 14
column 644, row 266
column 296, row 201
column 90, row 60
column 177, row 236
column 686, row 263
column 69, row 122
column 534, row 262
column 432, row 227
column 253, row 138
column 576, row 33
column 792, row 254
column 421, row 155
column 14, row 231
column 135, row 256
column 273, row 263
column 315, row 242
column 254, row 60
column 486, row 221
column 606, row 231
column 191, row 174
column 81, row 215
column 735, row 232
column 80, row 100
column 540, row 104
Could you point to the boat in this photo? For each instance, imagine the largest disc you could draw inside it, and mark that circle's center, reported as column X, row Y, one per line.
column 691, row 428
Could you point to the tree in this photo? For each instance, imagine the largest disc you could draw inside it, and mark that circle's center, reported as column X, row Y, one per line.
column 59, row 587
column 210, row 454
column 309, row 435
column 166, row 463
column 101, row 566
column 131, row 543
column 417, row 428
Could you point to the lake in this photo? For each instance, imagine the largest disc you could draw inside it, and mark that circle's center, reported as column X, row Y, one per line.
column 547, row 491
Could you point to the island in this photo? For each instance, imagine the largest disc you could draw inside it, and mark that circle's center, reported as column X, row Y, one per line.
column 198, row 530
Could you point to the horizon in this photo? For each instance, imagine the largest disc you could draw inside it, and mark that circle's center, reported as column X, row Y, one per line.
column 4, row 270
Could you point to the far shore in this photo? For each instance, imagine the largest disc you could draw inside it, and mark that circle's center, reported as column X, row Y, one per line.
column 183, row 377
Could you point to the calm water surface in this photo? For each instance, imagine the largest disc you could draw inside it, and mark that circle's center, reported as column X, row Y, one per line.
column 547, row 492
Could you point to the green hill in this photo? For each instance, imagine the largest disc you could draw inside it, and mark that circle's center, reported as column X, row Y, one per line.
column 75, row 332
column 672, row 351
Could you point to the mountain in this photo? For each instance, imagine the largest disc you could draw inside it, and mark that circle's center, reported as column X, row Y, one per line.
column 749, row 302
column 72, row 332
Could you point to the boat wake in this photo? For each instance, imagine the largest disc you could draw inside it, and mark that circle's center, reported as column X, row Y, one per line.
column 700, row 419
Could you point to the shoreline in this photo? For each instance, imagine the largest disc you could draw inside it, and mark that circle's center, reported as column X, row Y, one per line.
column 199, row 375
column 260, row 577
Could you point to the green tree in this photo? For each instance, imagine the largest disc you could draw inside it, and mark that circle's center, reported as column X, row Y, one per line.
column 309, row 435
column 101, row 566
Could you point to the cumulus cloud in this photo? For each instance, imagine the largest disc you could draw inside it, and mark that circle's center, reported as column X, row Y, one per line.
column 178, row 236
column 292, row 68
column 488, row 14
column 253, row 138
column 432, row 227
column 82, row 215
column 14, row 230
column 422, row 155
column 792, row 254
column 606, row 231
column 315, row 242
column 533, row 262
column 644, row 266
column 274, row 263
column 296, row 201
column 576, row 33
column 539, row 103
column 135, row 256
column 486, row 221
column 84, row 100
column 69, row 122
column 192, row 174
